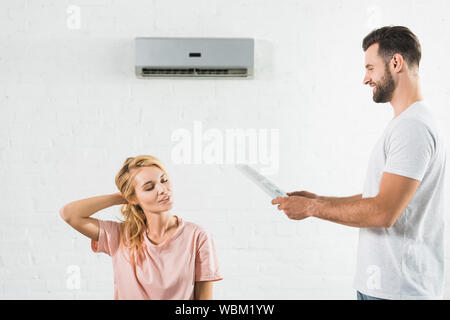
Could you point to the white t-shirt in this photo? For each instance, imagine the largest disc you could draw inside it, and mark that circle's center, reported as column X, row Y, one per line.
column 406, row 261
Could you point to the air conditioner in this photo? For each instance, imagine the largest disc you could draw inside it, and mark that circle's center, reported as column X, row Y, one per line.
column 194, row 57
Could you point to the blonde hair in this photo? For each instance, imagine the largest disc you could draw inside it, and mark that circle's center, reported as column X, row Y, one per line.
column 134, row 226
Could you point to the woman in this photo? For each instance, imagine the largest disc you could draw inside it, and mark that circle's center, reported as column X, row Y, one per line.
column 155, row 255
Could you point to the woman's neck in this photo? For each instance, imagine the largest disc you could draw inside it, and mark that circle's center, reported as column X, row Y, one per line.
column 160, row 223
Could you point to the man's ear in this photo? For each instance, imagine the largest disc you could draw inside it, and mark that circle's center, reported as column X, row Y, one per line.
column 397, row 62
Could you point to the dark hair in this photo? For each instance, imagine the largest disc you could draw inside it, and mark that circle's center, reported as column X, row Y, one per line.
column 395, row 39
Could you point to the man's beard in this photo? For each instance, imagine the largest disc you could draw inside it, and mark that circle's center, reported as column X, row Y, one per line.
column 385, row 89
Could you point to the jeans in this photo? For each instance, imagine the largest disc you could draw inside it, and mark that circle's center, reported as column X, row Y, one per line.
column 362, row 296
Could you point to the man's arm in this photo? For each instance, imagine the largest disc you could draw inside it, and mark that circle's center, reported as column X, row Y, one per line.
column 340, row 199
column 361, row 213
column 381, row 211
column 311, row 195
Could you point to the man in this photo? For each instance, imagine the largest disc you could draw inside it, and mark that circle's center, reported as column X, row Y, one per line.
column 401, row 211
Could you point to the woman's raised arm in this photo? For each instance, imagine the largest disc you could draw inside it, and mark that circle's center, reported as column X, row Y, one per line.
column 77, row 213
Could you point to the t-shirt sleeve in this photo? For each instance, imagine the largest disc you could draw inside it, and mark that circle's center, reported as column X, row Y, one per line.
column 206, row 262
column 409, row 149
column 108, row 237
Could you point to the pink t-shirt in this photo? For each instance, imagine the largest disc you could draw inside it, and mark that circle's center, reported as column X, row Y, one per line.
column 169, row 270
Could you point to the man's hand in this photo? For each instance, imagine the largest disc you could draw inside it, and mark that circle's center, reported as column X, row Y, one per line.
column 296, row 207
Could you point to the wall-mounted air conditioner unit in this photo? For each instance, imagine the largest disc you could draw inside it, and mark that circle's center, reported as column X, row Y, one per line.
column 194, row 57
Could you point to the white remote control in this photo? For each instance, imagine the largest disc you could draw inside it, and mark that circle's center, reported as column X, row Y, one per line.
column 268, row 186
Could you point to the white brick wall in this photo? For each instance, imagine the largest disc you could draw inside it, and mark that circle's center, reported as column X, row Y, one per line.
column 71, row 111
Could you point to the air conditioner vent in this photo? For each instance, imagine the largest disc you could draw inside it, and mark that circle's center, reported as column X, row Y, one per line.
column 169, row 71
column 213, row 72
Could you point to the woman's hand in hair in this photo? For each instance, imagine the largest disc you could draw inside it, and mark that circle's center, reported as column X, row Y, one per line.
column 120, row 198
